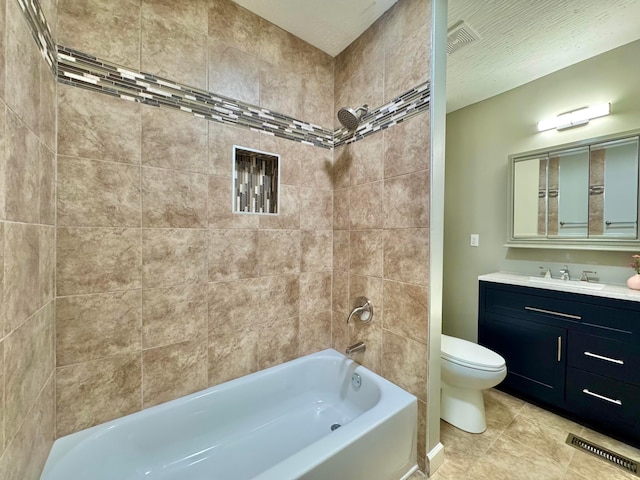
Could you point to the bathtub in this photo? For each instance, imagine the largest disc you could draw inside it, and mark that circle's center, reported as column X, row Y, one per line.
column 277, row 424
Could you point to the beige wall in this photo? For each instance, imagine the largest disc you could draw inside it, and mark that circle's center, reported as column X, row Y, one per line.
column 381, row 205
column 27, row 248
column 161, row 290
column 480, row 138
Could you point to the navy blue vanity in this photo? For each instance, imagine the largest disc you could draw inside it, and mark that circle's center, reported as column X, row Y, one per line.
column 576, row 353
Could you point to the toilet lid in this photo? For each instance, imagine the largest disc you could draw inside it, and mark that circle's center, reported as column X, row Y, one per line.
column 470, row 354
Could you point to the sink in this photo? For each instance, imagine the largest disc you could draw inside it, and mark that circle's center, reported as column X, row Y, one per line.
column 567, row 283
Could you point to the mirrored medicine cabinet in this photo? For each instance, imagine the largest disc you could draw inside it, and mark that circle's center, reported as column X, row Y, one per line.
column 582, row 195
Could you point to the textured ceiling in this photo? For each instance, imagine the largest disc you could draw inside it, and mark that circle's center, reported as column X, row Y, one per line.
column 330, row 25
column 520, row 40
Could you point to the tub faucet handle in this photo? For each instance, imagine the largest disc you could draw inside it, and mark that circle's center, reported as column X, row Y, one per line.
column 363, row 308
column 564, row 273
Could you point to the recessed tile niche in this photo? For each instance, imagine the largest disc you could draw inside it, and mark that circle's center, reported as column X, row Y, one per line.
column 256, row 181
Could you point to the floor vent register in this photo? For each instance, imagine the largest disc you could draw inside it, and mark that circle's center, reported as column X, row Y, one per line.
column 616, row 459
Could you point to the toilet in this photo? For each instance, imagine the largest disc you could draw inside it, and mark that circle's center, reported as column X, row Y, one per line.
column 467, row 368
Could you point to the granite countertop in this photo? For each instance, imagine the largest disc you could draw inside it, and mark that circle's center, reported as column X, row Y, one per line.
column 609, row 291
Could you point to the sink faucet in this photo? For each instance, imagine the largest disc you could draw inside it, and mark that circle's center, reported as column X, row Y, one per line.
column 564, row 273
column 585, row 275
column 355, row 348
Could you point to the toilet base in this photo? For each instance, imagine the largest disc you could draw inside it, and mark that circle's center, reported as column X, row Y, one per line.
column 463, row 408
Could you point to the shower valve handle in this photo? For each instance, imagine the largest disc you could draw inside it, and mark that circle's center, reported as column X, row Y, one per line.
column 363, row 308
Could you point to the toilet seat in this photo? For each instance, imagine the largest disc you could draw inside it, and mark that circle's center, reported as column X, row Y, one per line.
column 470, row 355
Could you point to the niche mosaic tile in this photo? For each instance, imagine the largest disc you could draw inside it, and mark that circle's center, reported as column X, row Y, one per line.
column 40, row 31
column 256, row 177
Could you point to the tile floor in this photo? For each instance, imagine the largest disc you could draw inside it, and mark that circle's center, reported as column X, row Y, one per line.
column 524, row 442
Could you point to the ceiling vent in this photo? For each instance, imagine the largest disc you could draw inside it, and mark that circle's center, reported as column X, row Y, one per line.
column 459, row 35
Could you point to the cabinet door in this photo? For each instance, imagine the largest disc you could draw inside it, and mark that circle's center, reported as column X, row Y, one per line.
column 534, row 353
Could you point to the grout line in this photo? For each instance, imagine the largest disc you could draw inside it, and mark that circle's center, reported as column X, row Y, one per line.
column 3, row 432
column 102, row 160
column 100, row 359
column 140, row 33
column 209, row 210
column 7, row 442
column 573, row 453
column 141, row 190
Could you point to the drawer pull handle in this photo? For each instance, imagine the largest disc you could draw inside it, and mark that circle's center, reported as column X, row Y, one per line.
column 601, row 397
column 551, row 312
column 559, row 348
column 606, row 359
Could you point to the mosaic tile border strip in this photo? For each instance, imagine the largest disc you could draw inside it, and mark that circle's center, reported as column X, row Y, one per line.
column 40, row 31
column 407, row 105
column 86, row 71
column 79, row 69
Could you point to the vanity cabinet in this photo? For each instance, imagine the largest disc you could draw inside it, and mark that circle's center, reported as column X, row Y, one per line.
column 575, row 353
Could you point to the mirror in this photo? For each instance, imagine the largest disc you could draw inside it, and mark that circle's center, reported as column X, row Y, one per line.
column 529, row 199
column 584, row 195
column 613, row 189
column 568, row 204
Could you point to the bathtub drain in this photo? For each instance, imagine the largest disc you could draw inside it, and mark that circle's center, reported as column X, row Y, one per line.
column 335, row 426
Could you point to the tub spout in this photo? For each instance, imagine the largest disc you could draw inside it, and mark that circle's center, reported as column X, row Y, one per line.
column 356, row 348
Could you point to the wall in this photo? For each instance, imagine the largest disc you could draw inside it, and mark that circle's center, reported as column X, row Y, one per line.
column 161, row 290
column 27, row 247
column 381, row 205
column 479, row 139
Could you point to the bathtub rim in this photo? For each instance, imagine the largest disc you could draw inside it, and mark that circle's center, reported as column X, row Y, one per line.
column 392, row 399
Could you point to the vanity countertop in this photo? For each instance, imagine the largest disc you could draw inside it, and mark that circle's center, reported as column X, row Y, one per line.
column 609, row 291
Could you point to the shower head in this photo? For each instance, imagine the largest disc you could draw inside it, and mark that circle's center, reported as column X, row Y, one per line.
column 350, row 118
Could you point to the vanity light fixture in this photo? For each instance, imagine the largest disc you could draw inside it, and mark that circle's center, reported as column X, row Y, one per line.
column 575, row 118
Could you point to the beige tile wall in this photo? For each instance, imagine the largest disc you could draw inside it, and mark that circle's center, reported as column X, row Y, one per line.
column 381, row 205
column 27, row 248
column 162, row 291
column 158, row 284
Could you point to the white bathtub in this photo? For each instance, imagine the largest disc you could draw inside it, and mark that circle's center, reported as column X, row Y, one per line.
column 272, row 425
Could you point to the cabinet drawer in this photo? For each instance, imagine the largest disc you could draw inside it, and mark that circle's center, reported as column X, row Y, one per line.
column 618, row 360
column 614, row 405
column 528, row 304
column 613, row 318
